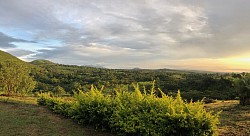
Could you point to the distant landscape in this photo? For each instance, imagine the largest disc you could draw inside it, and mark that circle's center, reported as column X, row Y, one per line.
column 126, row 68
column 67, row 79
column 63, row 87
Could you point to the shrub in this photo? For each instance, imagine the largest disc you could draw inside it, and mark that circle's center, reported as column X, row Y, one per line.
column 147, row 114
column 136, row 113
column 42, row 98
column 57, row 104
column 93, row 108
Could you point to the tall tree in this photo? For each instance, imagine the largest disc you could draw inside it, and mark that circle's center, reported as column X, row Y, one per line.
column 15, row 78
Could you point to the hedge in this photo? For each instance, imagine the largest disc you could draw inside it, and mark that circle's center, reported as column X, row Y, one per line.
column 136, row 113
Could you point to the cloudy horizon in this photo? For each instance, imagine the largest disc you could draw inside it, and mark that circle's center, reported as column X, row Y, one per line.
column 178, row 34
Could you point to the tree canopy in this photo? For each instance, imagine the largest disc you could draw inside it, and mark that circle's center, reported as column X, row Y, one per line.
column 15, row 79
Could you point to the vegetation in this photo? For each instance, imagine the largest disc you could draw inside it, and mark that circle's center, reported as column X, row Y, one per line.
column 121, row 107
column 58, row 91
column 193, row 85
column 4, row 56
column 15, row 79
column 36, row 120
column 42, row 62
column 243, row 86
column 135, row 113
column 15, row 76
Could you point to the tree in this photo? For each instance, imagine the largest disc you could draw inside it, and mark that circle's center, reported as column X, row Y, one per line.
column 15, row 79
column 75, row 87
column 59, row 91
column 243, row 85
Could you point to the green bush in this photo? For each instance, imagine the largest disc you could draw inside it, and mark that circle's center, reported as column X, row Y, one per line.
column 57, row 104
column 147, row 114
column 42, row 98
column 93, row 108
column 136, row 113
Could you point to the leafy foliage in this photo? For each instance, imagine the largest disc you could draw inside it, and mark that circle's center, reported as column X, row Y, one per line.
column 73, row 78
column 243, row 86
column 15, row 79
column 194, row 85
column 136, row 113
column 58, row 91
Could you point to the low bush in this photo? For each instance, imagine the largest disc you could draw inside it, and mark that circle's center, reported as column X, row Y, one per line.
column 93, row 108
column 136, row 113
column 57, row 104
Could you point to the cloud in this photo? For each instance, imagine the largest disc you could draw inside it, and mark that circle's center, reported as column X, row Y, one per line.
column 229, row 25
column 133, row 33
column 7, row 41
column 20, row 52
column 94, row 53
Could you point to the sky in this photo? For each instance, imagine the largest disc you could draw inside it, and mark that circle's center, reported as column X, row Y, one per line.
column 211, row 35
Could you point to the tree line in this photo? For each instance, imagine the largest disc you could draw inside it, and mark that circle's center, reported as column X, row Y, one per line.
column 19, row 78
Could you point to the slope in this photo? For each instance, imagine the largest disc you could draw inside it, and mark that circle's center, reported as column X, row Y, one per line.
column 42, row 62
column 6, row 57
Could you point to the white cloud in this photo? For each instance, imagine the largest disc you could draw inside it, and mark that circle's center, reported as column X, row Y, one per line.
column 127, row 32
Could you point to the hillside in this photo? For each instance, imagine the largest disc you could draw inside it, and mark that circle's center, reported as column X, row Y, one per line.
column 42, row 62
column 194, row 85
column 4, row 56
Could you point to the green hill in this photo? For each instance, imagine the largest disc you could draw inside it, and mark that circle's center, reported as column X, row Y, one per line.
column 42, row 62
column 4, row 56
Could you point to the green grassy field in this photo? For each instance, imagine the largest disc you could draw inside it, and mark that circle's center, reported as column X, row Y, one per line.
column 22, row 117
column 234, row 119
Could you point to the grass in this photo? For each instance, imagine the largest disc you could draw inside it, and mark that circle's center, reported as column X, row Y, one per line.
column 22, row 117
column 235, row 119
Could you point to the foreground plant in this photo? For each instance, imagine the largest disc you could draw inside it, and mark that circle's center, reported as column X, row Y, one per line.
column 136, row 113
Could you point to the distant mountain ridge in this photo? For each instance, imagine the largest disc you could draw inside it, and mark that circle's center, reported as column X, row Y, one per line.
column 4, row 57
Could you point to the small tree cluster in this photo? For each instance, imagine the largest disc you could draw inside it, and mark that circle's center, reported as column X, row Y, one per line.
column 15, row 79
column 243, row 86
